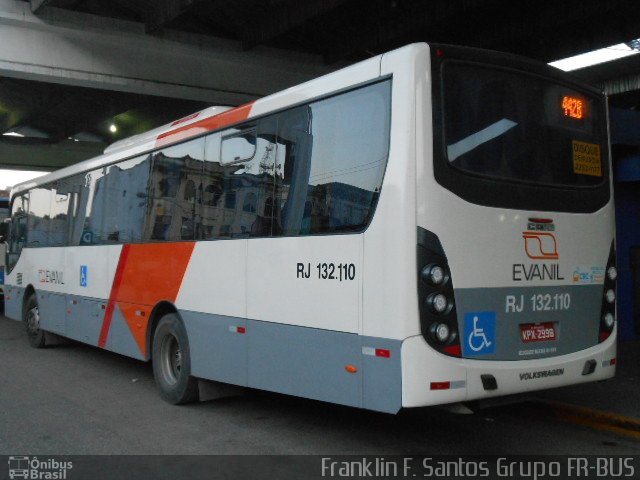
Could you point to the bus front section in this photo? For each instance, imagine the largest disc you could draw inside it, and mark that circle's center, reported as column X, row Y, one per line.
column 516, row 255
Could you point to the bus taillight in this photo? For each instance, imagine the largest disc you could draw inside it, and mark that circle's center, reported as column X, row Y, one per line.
column 434, row 274
column 453, row 350
column 608, row 309
column 438, row 320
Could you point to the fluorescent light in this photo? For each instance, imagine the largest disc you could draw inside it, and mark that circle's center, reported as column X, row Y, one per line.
column 595, row 57
column 26, row 131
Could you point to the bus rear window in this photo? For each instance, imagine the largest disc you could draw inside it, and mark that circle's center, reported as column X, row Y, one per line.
column 512, row 126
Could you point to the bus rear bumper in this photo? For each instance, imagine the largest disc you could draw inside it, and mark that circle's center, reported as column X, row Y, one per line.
column 429, row 378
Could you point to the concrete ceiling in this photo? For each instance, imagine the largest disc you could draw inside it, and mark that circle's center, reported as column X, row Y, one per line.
column 49, row 107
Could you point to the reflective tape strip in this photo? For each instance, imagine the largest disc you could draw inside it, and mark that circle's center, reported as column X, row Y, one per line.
column 376, row 352
column 608, row 363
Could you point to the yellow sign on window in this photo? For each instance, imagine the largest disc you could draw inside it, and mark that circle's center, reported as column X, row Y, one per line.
column 587, row 159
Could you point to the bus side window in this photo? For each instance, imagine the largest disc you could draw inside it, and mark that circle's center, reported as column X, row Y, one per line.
column 60, row 213
column 18, row 229
column 295, row 144
column 332, row 157
column 17, row 240
column 39, row 218
column 175, row 193
column 238, row 180
column 238, row 146
column 87, row 207
column 125, row 200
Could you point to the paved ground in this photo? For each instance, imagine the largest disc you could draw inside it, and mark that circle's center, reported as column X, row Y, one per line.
column 74, row 399
column 620, row 395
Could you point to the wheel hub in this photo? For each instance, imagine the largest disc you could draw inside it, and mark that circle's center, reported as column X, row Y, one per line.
column 33, row 321
column 171, row 359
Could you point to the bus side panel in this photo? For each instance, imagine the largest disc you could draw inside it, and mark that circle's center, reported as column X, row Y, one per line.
column 143, row 276
column 307, row 281
column 13, row 298
column 218, row 346
column 306, row 362
column 223, row 264
column 390, row 309
column 88, row 282
column 304, row 316
column 84, row 319
column 43, row 268
column 87, row 272
column 52, row 311
column 381, row 374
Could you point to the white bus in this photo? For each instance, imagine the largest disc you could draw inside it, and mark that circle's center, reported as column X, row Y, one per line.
column 429, row 226
column 4, row 213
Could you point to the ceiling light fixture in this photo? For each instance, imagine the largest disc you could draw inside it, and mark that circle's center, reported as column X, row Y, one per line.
column 595, row 57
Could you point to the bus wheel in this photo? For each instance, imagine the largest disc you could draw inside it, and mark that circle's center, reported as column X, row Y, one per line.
column 31, row 318
column 172, row 362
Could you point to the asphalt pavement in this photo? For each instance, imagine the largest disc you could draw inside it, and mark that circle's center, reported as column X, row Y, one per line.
column 619, row 395
column 76, row 399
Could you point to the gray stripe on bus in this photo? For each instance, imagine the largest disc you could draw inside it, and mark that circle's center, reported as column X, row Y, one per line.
column 300, row 361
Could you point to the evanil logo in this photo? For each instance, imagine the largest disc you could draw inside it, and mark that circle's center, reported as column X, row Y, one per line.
column 540, row 244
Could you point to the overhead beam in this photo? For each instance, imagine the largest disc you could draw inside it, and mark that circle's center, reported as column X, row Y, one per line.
column 164, row 12
column 24, row 156
column 61, row 46
column 283, row 18
column 37, row 5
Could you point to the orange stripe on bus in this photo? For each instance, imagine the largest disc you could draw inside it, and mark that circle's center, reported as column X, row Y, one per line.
column 206, row 125
column 111, row 305
column 147, row 274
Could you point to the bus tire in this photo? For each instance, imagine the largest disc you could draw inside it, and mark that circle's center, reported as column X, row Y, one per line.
column 31, row 318
column 172, row 361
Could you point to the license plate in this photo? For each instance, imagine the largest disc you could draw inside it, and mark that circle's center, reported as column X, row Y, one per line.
column 537, row 332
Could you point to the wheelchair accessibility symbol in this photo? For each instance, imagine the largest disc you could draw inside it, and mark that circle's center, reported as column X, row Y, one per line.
column 479, row 333
column 84, row 276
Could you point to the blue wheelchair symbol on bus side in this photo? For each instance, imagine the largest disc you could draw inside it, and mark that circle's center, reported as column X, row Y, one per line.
column 84, row 276
column 479, row 333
